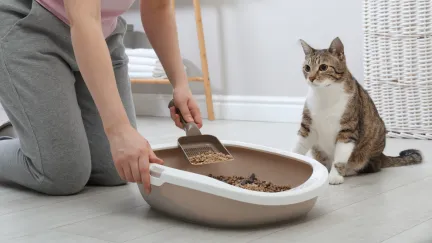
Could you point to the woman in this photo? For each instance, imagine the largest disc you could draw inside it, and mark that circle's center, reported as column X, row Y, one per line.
column 65, row 88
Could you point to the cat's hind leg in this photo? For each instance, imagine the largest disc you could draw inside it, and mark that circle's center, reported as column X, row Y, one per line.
column 372, row 165
column 358, row 163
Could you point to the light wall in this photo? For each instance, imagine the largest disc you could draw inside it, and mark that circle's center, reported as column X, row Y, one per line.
column 252, row 45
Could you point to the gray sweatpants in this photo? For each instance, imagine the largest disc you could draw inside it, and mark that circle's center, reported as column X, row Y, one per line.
column 62, row 145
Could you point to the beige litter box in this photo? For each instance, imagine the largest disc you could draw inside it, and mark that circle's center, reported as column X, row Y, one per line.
column 183, row 190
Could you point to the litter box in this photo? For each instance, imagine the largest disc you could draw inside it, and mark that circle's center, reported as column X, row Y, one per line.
column 185, row 191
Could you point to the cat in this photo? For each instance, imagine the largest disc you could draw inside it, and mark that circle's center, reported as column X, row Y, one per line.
column 340, row 123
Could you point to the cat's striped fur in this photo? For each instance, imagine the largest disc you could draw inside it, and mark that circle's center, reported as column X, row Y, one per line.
column 340, row 122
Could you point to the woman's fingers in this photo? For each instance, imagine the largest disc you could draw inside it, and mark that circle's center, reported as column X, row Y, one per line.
column 154, row 159
column 196, row 113
column 175, row 117
column 135, row 171
column 177, row 121
column 120, row 171
column 128, row 172
column 172, row 112
column 145, row 172
column 144, row 167
column 186, row 113
column 152, row 156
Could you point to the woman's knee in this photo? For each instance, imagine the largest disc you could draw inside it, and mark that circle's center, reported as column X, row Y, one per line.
column 67, row 176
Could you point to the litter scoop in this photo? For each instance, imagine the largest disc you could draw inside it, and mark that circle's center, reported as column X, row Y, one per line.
column 197, row 147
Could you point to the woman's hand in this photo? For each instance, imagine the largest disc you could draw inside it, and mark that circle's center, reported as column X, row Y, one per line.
column 187, row 105
column 132, row 155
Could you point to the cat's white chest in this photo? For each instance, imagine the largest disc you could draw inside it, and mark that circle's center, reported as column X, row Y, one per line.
column 327, row 106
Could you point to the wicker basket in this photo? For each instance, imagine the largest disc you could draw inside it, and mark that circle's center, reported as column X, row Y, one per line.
column 398, row 64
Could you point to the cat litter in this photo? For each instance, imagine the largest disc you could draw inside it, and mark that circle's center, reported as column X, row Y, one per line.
column 251, row 183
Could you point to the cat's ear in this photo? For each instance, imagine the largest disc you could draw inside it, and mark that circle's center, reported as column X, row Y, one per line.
column 336, row 47
column 306, row 48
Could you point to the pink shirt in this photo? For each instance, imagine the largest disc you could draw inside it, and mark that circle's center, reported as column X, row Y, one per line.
column 111, row 10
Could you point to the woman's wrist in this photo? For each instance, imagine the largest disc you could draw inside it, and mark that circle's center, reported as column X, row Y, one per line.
column 181, row 86
column 115, row 128
column 181, row 82
column 115, row 118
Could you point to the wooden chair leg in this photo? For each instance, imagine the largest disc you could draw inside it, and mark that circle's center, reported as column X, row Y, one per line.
column 204, row 64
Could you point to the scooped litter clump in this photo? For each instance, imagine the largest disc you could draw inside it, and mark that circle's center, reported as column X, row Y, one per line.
column 251, row 183
column 209, row 157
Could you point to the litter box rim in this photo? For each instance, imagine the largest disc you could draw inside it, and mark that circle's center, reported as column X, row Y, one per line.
column 313, row 187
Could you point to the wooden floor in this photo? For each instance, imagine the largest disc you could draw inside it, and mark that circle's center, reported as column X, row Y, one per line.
column 392, row 206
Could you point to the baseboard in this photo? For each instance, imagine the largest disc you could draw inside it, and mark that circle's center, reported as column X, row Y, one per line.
column 242, row 108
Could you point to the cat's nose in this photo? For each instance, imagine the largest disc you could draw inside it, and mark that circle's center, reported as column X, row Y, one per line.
column 312, row 78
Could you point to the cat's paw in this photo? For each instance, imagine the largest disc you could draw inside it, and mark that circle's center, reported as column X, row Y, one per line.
column 335, row 178
column 341, row 168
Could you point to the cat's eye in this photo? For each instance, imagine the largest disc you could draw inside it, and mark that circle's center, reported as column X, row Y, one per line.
column 307, row 68
column 323, row 67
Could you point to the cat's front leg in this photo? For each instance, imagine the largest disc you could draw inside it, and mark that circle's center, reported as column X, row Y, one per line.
column 305, row 137
column 303, row 144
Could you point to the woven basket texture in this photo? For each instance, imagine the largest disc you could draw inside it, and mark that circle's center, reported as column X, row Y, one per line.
column 398, row 64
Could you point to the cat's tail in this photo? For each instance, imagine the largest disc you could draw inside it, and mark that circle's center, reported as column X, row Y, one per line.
column 406, row 157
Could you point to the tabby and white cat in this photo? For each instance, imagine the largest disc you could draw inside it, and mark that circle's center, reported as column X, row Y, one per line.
column 340, row 122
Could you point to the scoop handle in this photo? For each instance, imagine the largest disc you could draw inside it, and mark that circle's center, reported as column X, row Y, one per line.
column 190, row 128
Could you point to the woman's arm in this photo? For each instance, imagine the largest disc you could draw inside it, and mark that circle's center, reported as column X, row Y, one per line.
column 158, row 19
column 94, row 61
column 131, row 152
column 159, row 24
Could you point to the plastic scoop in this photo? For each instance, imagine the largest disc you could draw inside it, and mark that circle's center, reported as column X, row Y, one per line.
column 200, row 149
